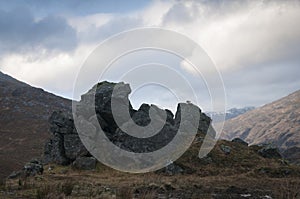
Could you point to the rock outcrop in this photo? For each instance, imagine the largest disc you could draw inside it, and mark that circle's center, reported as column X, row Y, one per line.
column 239, row 140
column 65, row 146
column 269, row 151
column 31, row 168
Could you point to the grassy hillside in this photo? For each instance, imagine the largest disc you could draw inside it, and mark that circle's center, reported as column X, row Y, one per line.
column 240, row 173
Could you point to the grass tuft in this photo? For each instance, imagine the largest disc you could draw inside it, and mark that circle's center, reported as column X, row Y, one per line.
column 125, row 193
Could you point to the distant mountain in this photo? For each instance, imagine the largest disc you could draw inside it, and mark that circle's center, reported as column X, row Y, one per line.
column 231, row 113
column 24, row 113
column 277, row 123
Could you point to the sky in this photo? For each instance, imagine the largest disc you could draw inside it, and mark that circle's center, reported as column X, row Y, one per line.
column 255, row 45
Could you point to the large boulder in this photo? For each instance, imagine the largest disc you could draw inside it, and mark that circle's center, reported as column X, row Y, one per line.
column 173, row 169
column 31, row 168
column 73, row 147
column 269, row 151
column 225, row 149
column 54, row 150
column 95, row 107
column 240, row 141
column 62, row 123
column 65, row 145
column 100, row 97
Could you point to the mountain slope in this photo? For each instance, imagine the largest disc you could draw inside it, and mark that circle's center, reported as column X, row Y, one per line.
column 24, row 113
column 277, row 123
column 231, row 113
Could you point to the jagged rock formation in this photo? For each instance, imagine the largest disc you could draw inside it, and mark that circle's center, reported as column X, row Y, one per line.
column 65, row 146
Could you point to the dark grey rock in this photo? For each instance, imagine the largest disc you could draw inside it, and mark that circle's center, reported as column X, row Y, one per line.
column 33, row 168
column 204, row 123
column 65, row 146
column 225, row 149
column 61, row 122
column 98, row 121
column 141, row 116
column 104, row 99
column 240, row 141
column 85, row 163
column 73, row 147
column 269, row 151
column 15, row 174
column 173, row 169
column 190, row 108
column 54, row 150
column 170, row 117
column 206, row 160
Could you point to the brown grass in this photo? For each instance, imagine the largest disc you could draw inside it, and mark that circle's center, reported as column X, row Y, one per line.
column 289, row 189
column 242, row 170
column 125, row 192
column 102, row 185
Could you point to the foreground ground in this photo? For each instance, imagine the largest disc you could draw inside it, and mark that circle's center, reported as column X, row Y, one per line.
column 65, row 182
column 239, row 173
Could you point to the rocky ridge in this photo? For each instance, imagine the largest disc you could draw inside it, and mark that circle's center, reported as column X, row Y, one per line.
column 65, row 146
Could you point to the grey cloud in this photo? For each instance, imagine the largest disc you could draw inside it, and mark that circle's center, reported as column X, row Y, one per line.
column 116, row 25
column 261, row 84
column 258, row 56
column 75, row 7
column 20, row 31
column 267, row 72
column 179, row 13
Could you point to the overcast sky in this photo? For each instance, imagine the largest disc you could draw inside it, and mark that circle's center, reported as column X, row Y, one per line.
column 254, row 44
